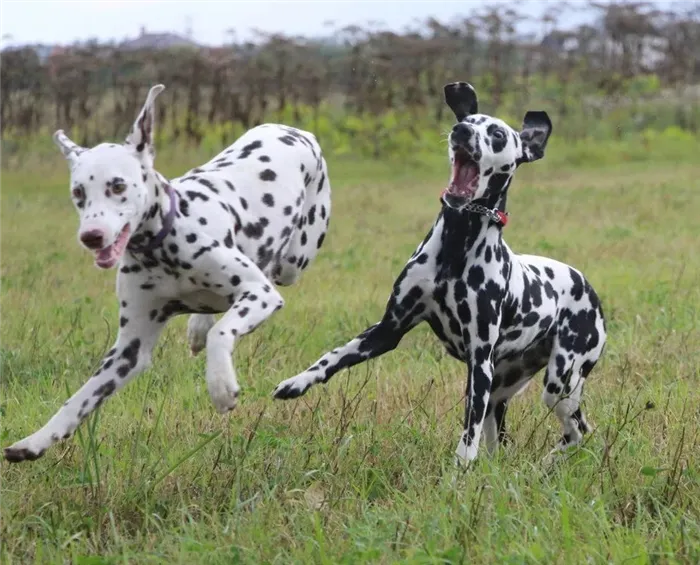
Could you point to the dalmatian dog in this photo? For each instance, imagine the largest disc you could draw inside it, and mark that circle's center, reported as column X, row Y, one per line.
column 216, row 240
column 505, row 315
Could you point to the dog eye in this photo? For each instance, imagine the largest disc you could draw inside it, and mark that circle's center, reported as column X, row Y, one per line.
column 78, row 193
column 118, row 188
column 498, row 134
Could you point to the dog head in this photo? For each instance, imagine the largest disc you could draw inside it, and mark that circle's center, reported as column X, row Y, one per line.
column 111, row 185
column 485, row 151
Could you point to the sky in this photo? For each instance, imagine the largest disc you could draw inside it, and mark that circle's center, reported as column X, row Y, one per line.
column 64, row 21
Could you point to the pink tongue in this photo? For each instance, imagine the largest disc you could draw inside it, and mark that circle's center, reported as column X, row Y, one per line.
column 105, row 254
column 467, row 174
column 109, row 255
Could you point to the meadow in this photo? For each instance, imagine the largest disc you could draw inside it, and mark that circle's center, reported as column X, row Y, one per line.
column 360, row 470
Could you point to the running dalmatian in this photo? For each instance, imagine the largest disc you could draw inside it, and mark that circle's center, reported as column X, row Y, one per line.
column 212, row 241
column 505, row 315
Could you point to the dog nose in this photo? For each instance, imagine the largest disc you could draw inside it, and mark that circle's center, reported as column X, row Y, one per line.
column 93, row 239
column 461, row 133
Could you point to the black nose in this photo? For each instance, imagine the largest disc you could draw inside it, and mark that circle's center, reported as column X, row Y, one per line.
column 93, row 239
column 461, row 133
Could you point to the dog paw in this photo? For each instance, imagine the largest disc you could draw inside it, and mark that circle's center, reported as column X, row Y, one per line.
column 464, row 454
column 294, row 387
column 23, row 451
column 552, row 460
column 223, row 393
column 558, row 455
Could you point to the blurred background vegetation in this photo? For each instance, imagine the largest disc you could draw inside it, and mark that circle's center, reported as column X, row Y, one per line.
column 632, row 72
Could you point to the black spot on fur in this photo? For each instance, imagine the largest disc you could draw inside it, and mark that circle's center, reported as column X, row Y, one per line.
column 193, row 195
column 105, row 390
column 577, row 288
column 184, row 207
column 531, row 319
column 209, row 185
column 268, row 175
column 255, row 230
column 498, row 183
column 248, row 149
column 204, row 249
column 172, row 308
column 476, row 277
column 131, row 355
column 228, row 240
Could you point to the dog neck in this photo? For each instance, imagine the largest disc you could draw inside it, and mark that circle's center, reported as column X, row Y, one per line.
column 465, row 233
column 466, row 223
column 497, row 192
column 462, row 229
column 157, row 218
column 493, row 201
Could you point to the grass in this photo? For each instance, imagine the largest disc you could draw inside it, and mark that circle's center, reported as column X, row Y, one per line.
column 360, row 471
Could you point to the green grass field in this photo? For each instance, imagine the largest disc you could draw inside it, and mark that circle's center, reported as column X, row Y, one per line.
column 360, row 471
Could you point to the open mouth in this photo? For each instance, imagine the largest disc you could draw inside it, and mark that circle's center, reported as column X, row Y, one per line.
column 107, row 257
column 465, row 177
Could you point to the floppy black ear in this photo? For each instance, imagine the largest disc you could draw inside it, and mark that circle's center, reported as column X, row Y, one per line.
column 537, row 128
column 461, row 98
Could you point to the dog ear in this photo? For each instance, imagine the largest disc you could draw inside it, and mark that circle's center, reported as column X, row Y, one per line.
column 69, row 148
column 537, row 128
column 141, row 136
column 461, row 98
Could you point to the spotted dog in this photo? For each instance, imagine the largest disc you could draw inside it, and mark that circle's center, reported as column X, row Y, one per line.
column 215, row 240
column 505, row 315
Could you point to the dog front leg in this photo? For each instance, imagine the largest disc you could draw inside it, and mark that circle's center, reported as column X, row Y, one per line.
column 373, row 342
column 141, row 324
column 405, row 309
column 255, row 300
column 476, row 400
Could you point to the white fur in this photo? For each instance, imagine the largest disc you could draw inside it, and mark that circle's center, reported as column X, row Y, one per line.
column 252, row 217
